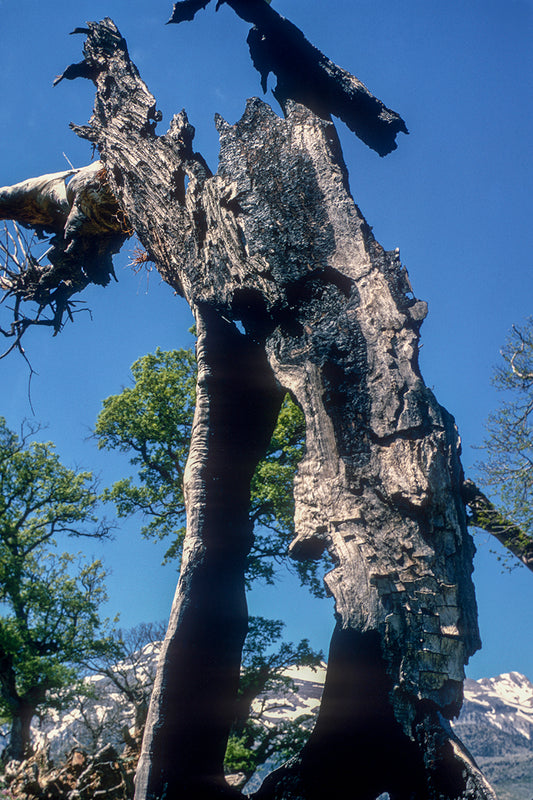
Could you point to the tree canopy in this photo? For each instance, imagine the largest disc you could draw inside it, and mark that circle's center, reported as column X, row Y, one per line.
column 49, row 619
column 151, row 421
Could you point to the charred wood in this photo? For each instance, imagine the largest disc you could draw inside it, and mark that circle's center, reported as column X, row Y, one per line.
column 307, row 76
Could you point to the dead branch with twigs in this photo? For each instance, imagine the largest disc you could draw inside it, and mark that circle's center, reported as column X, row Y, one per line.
column 23, row 279
column 78, row 225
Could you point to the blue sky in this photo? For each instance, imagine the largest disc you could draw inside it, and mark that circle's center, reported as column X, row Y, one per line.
column 455, row 198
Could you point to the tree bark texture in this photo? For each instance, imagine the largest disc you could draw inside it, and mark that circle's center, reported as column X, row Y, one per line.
column 273, row 245
column 19, row 746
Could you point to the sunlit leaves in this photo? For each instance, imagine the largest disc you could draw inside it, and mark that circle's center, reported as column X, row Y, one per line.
column 151, row 421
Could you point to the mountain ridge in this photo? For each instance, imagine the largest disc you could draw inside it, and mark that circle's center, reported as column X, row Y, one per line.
column 496, row 724
column 496, row 721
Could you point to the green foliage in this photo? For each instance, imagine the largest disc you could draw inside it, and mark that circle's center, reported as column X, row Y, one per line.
column 255, row 738
column 152, row 420
column 508, row 466
column 49, row 624
column 240, row 757
column 49, row 621
column 260, row 744
column 263, row 667
column 39, row 497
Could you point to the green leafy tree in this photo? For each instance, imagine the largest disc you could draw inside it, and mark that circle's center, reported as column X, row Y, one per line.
column 152, row 419
column 507, row 470
column 49, row 601
column 259, row 734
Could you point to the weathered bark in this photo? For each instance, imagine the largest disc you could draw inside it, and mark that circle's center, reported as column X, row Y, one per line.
column 485, row 515
column 274, row 242
column 20, row 735
column 21, row 710
column 19, row 746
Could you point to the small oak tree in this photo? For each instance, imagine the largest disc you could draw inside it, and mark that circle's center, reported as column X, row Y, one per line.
column 262, row 730
column 49, row 613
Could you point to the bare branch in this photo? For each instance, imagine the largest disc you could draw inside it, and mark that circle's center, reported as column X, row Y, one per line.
column 307, row 76
column 77, row 217
column 486, row 516
column 525, row 376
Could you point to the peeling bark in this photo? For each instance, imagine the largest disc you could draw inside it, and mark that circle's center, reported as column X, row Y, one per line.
column 273, row 241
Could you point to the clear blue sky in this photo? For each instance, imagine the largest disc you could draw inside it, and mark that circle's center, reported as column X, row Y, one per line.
column 455, row 198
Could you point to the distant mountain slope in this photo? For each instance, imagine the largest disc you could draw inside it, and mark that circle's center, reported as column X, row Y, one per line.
column 496, row 724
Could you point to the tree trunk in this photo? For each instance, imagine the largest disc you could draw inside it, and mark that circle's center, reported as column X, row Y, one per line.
column 19, row 746
column 274, row 245
column 237, row 405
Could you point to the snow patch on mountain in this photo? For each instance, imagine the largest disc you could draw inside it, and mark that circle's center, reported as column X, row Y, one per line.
column 101, row 712
column 309, row 685
column 496, row 722
column 506, row 702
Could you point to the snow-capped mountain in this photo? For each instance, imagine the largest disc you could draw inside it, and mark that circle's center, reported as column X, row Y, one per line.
column 309, row 685
column 496, row 724
column 505, row 703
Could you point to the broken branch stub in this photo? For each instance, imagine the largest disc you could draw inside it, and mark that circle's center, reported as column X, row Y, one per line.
column 307, row 76
column 77, row 212
column 274, row 242
column 485, row 515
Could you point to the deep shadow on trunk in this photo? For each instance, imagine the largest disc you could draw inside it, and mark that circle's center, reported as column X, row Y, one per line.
column 358, row 748
column 237, row 407
column 19, row 746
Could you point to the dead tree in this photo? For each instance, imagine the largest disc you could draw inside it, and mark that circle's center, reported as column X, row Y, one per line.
column 273, row 245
